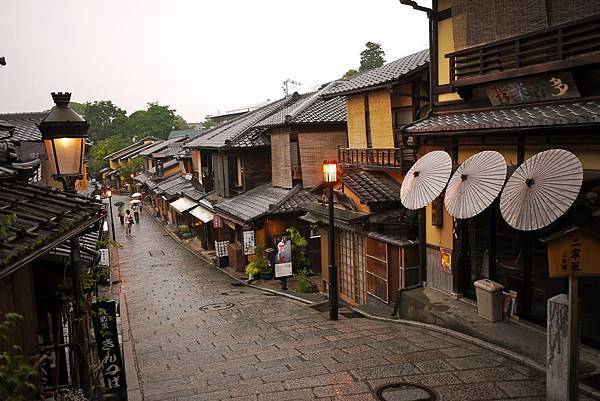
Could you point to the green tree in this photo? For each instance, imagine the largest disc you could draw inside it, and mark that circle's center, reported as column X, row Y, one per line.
column 105, row 119
column 208, row 123
column 156, row 121
column 371, row 57
column 104, row 147
column 134, row 166
column 351, row 72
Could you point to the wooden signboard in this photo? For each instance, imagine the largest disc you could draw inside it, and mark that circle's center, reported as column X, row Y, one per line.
column 551, row 86
column 573, row 252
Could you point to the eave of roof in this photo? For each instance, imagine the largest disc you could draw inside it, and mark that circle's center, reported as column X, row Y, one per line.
column 45, row 219
column 394, row 72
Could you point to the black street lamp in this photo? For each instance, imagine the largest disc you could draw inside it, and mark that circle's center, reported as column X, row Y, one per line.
column 64, row 133
column 330, row 178
column 112, row 219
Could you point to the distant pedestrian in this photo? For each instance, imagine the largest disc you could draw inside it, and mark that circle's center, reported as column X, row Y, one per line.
column 128, row 223
column 121, row 212
column 136, row 213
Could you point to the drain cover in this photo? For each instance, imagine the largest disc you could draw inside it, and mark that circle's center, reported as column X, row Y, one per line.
column 217, row 306
column 405, row 392
column 233, row 292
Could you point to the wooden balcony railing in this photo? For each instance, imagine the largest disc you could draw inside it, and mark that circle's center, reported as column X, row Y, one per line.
column 562, row 46
column 392, row 158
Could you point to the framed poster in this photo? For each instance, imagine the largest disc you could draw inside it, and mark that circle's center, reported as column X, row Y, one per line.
column 249, row 243
column 222, row 248
column 446, row 260
column 283, row 257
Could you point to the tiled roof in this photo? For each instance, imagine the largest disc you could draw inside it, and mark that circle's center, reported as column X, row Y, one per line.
column 137, row 145
column 45, row 218
column 26, row 129
column 172, row 186
column 156, row 147
column 373, row 187
column 385, row 74
column 294, row 201
column 132, row 153
column 194, row 193
column 254, row 203
column 310, row 108
column 574, row 113
column 183, row 133
column 240, row 132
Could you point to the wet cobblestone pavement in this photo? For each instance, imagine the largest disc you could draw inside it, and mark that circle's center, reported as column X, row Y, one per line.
column 198, row 337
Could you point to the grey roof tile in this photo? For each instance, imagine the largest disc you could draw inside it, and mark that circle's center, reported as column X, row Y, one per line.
column 310, row 108
column 254, row 203
column 241, row 131
column 577, row 112
column 25, row 124
column 294, row 202
column 387, row 73
column 373, row 187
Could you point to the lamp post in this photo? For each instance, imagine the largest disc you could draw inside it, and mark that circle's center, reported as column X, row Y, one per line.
column 112, row 219
column 330, row 178
column 64, row 133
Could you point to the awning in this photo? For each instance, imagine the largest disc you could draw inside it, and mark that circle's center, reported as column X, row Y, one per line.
column 202, row 214
column 183, row 204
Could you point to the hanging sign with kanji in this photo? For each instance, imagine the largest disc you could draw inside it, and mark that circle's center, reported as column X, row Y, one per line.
column 217, row 221
column 104, row 318
column 573, row 252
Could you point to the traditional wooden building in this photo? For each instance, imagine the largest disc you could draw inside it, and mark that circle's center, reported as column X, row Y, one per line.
column 376, row 238
column 517, row 77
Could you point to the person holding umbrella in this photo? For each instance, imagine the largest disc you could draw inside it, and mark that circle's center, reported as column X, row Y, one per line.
column 135, row 205
column 121, row 212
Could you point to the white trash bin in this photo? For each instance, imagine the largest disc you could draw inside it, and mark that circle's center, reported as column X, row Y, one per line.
column 490, row 300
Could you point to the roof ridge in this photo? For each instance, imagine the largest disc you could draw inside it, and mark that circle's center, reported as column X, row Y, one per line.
column 309, row 102
column 295, row 189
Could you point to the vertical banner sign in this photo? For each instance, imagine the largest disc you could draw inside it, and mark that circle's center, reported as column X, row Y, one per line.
column 104, row 318
column 249, row 243
column 104, row 257
column 217, row 221
column 283, row 257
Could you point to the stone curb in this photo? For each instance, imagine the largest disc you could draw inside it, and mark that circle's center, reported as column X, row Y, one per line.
column 461, row 336
column 476, row 341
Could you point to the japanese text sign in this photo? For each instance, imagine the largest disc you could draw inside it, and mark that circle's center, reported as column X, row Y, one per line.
column 573, row 252
column 104, row 317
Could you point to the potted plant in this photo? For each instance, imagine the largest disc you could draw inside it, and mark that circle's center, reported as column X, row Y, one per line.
column 259, row 266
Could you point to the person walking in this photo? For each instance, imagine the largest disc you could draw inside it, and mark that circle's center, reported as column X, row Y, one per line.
column 136, row 212
column 128, row 223
column 121, row 213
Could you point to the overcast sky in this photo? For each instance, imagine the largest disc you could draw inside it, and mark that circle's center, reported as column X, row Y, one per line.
column 198, row 56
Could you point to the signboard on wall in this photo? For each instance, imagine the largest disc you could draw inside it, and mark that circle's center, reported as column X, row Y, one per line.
column 104, row 257
column 104, row 319
column 283, row 257
column 249, row 243
column 222, row 248
column 551, row 86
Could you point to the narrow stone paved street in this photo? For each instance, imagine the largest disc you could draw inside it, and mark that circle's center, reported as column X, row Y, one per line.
column 198, row 337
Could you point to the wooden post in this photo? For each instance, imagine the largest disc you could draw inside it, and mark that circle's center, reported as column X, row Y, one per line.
column 573, row 370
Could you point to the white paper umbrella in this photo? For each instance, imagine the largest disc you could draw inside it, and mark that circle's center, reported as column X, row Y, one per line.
column 541, row 190
column 426, row 179
column 136, row 195
column 475, row 184
column 133, row 202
